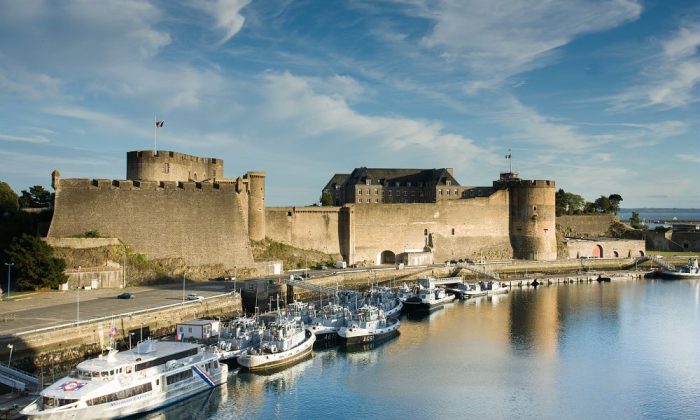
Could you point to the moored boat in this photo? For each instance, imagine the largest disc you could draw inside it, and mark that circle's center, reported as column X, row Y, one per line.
column 238, row 336
column 152, row 375
column 689, row 271
column 368, row 325
column 328, row 320
column 428, row 299
column 284, row 342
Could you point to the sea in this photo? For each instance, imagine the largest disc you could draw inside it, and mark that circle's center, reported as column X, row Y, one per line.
column 622, row 350
column 652, row 214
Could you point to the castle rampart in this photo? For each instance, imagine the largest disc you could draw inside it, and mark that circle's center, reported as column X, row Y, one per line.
column 200, row 222
column 256, row 205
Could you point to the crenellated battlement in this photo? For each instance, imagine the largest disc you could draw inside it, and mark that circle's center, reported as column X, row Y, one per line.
column 122, row 184
column 168, row 156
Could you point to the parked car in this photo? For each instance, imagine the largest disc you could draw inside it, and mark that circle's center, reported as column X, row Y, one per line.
column 126, row 296
column 193, row 296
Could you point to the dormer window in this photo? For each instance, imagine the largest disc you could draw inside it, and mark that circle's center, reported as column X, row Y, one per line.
column 397, row 184
column 408, row 184
column 368, row 181
column 448, row 182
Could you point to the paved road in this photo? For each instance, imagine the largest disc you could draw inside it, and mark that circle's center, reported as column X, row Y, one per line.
column 54, row 308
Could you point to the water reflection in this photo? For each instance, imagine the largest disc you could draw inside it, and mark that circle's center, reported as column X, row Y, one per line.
column 627, row 349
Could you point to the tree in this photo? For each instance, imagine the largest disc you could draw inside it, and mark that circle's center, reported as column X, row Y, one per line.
column 568, row 203
column 615, row 200
column 9, row 201
column 602, row 204
column 35, row 264
column 326, row 199
column 36, row 197
column 635, row 221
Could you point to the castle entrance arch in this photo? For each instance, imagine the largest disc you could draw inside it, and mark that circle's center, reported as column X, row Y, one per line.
column 597, row 252
column 387, row 257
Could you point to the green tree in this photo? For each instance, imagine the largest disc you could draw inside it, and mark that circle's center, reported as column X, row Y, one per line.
column 9, row 201
column 589, row 207
column 614, row 200
column 36, row 197
column 35, row 264
column 326, row 199
column 602, row 204
column 635, row 221
column 568, row 203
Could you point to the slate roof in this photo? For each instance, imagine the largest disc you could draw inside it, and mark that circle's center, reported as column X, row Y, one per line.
column 378, row 176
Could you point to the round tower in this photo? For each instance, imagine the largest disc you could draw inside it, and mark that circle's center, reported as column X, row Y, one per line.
column 532, row 220
column 256, row 205
column 164, row 165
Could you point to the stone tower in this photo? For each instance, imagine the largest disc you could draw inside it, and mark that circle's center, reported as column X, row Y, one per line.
column 532, row 217
column 256, row 205
column 165, row 165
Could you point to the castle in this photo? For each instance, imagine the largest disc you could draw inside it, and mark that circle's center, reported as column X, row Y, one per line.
column 174, row 205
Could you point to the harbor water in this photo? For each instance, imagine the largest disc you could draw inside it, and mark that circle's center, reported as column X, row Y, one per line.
column 624, row 350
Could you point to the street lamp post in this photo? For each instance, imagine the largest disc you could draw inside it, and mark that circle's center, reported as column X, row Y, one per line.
column 183, row 288
column 10, row 346
column 9, row 268
column 130, row 335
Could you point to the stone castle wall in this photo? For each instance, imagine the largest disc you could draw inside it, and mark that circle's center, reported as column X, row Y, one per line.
column 453, row 229
column 202, row 223
column 315, row 228
column 587, row 226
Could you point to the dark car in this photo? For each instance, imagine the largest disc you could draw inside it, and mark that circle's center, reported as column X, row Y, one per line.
column 126, row 296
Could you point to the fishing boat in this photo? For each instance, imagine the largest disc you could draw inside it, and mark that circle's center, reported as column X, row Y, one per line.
column 238, row 336
column 284, row 342
column 405, row 292
column 328, row 320
column 152, row 375
column 428, row 299
column 460, row 290
column 388, row 301
column 494, row 288
column 689, row 271
column 302, row 312
column 368, row 325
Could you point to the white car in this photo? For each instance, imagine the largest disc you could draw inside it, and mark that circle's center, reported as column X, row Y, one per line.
column 192, row 296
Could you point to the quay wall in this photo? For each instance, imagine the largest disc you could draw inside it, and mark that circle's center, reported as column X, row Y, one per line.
column 63, row 348
column 203, row 223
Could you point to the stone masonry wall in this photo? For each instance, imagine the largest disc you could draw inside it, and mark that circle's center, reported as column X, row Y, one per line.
column 305, row 227
column 587, row 226
column 455, row 229
column 202, row 223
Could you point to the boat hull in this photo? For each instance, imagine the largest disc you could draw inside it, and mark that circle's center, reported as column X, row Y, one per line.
column 257, row 362
column 419, row 306
column 674, row 275
column 352, row 336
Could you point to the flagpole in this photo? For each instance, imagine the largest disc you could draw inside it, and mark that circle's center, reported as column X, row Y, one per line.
column 155, row 134
column 510, row 161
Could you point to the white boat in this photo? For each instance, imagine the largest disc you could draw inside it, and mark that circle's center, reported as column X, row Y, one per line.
column 368, row 325
column 238, row 336
column 328, row 320
column 405, row 292
column 152, row 375
column 428, row 299
column 302, row 312
column 689, row 271
column 285, row 341
column 494, row 288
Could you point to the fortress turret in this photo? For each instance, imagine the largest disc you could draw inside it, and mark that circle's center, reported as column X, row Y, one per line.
column 532, row 217
column 256, row 205
column 164, row 165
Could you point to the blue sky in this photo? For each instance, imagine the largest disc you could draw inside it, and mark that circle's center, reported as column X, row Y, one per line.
column 601, row 96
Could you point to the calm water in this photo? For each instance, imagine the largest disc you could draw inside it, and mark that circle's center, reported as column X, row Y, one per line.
column 661, row 214
column 621, row 350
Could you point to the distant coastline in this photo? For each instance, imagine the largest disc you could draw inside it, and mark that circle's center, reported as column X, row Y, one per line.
column 665, row 214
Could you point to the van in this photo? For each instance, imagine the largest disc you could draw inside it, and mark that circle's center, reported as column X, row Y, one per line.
column 340, row 264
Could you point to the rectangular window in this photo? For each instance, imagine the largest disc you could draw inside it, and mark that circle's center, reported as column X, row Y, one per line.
column 166, row 168
column 376, row 200
column 408, row 184
column 359, row 191
column 376, row 191
column 178, row 377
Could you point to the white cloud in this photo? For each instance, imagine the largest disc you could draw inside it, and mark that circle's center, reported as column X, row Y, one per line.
column 292, row 100
column 693, row 158
column 532, row 127
column 23, row 139
column 670, row 76
column 226, row 14
column 500, row 38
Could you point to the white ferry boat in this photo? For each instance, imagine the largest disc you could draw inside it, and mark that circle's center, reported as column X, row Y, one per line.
column 368, row 325
column 152, row 375
column 385, row 299
column 284, row 342
column 428, row 299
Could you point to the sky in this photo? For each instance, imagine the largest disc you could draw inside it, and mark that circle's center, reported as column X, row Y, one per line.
column 599, row 95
